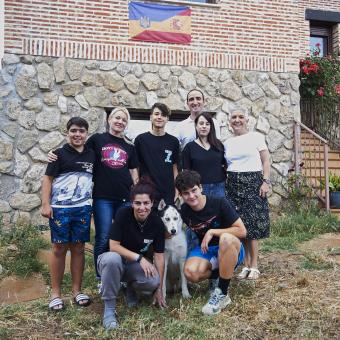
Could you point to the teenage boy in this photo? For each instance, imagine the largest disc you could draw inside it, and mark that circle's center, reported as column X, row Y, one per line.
column 219, row 230
column 185, row 130
column 158, row 152
column 66, row 201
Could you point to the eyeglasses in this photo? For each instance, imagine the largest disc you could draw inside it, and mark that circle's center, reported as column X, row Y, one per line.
column 78, row 130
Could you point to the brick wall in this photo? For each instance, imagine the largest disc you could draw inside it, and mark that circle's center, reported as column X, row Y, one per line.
column 259, row 34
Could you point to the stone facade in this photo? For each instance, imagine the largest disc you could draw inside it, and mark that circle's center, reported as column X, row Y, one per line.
column 39, row 94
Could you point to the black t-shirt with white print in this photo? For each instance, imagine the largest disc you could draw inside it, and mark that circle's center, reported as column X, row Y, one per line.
column 144, row 238
column 72, row 172
column 157, row 155
column 114, row 158
column 217, row 213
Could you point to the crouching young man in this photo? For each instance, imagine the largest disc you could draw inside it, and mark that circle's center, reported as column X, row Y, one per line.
column 219, row 229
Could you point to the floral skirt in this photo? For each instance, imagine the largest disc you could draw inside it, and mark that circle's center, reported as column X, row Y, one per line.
column 243, row 190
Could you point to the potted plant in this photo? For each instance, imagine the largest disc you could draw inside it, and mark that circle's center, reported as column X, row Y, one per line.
column 334, row 190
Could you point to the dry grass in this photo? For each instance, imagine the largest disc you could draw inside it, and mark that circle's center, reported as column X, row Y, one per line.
column 287, row 302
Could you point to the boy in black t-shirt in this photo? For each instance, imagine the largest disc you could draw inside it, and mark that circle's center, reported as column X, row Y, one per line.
column 158, row 154
column 66, row 201
column 219, row 229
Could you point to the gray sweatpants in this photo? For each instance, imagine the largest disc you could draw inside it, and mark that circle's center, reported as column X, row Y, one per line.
column 113, row 270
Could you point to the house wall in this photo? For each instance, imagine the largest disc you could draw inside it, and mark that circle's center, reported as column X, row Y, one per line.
column 68, row 58
column 259, row 35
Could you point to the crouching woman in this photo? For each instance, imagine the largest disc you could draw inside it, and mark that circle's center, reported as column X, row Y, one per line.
column 136, row 239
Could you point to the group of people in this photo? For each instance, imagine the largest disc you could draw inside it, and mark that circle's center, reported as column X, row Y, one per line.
column 129, row 179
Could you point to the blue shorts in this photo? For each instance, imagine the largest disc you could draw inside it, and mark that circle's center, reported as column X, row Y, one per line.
column 213, row 251
column 71, row 225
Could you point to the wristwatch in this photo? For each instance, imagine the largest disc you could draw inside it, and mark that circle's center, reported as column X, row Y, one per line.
column 266, row 180
column 139, row 258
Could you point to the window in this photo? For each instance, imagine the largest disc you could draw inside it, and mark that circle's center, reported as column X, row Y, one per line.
column 140, row 121
column 321, row 38
column 324, row 28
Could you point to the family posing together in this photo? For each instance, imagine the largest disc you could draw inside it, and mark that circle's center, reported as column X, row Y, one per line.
column 223, row 188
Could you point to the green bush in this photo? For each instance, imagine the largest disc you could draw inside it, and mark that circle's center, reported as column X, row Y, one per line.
column 19, row 247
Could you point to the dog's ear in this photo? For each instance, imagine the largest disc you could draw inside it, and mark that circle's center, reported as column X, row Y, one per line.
column 178, row 203
column 161, row 205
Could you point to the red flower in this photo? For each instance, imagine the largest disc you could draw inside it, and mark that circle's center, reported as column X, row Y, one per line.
column 320, row 92
column 314, row 68
column 337, row 89
column 317, row 44
column 305, row 69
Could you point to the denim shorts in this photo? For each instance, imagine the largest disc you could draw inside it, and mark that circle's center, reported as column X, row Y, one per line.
column 71, row 225
column 213, row 251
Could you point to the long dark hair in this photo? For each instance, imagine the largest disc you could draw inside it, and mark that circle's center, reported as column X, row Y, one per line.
column 143, row 186
column 212, row 139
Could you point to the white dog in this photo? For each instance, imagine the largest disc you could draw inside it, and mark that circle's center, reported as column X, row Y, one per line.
column 175, row 250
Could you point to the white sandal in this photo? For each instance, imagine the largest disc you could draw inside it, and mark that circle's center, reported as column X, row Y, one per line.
column 254, row 274
column 243, row 274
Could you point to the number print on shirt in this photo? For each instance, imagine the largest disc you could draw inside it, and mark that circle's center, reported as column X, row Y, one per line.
column 168, row 154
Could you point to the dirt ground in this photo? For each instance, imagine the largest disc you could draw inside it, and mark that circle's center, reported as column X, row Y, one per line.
column 289, row 301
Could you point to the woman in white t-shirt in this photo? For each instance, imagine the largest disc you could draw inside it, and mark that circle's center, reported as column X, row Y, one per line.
column 248, row 183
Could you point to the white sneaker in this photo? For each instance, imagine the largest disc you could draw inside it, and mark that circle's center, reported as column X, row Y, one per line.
column 216, row 303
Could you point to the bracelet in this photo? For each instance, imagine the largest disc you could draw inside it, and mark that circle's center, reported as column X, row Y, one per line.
column 139, row 258
column 267, row 181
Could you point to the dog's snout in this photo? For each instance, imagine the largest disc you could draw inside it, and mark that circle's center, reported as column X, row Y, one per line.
column 173, row 231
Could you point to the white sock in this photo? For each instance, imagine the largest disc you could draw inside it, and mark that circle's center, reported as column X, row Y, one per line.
column 214, row 263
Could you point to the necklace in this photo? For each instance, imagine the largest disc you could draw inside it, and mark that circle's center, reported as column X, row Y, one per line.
column 141, row 225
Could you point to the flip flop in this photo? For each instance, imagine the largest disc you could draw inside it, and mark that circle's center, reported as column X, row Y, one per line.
column 243, row 274
column 80, row 297
column 253, row 274
column 54, row 303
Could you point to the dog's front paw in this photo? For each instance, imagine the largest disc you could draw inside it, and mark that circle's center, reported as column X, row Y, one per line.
column 186, row 295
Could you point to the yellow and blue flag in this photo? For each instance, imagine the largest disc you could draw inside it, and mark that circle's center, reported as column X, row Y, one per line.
column 159, row 23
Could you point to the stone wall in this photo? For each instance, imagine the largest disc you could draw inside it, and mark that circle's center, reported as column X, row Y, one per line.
column 39, row 94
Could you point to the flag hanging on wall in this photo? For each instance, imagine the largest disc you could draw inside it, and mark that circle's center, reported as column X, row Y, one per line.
column 159, row 23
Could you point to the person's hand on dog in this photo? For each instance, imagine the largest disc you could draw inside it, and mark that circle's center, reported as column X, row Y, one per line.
column 158, row 299
column 148, row 268
column 205, row 242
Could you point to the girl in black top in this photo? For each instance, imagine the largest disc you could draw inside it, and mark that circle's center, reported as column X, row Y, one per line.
column 206, row 156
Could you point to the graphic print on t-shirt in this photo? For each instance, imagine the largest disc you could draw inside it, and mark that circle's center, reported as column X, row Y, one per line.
column 201, row 228
column 72, row 188
column 114, row 156
column 168, row 154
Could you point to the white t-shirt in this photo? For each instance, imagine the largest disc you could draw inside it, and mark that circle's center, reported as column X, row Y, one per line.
column 185, row 131
column 243, row 152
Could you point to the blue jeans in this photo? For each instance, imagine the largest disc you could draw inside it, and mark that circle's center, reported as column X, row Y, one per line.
column 214, row 189
column 104, row 211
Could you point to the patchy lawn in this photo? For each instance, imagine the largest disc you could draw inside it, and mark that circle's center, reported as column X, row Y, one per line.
column 296, row 297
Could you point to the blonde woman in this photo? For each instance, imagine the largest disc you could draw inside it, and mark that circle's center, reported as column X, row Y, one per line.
column 115, row 171
column 248, row 183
